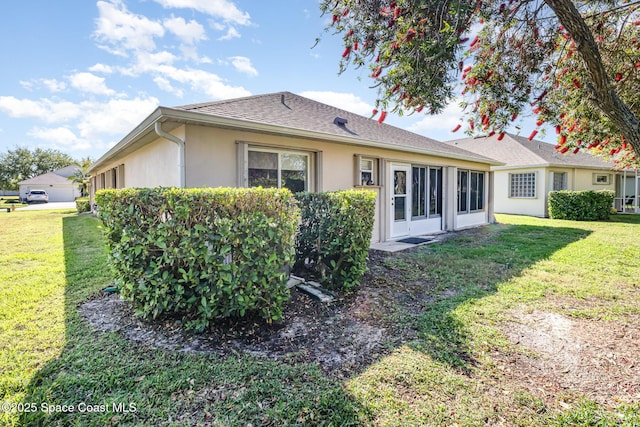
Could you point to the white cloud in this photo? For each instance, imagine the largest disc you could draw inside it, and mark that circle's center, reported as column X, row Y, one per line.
column 116, row 117
column 87, row 82
column 223, row 9
column 243, row 65
column 445, row 121
column 92, row 119
column 102, row 68
column 122, row 31
column 203, row 81
column 189, row 32
column 60, row 135
column 345, row 101
column 166, row 85
column 52, row 85
column 232, row 33
column 45, row 110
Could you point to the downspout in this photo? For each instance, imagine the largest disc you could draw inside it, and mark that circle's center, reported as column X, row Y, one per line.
column 180, row 143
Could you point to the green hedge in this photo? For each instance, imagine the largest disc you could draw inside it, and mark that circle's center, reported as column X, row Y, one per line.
column 201, row 254
column 83, row 204
column 334, row 236
column 581, row 205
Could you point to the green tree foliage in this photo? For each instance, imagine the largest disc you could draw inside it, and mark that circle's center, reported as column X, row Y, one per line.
column 22, row 163
column 574, row 65
column 82, row 178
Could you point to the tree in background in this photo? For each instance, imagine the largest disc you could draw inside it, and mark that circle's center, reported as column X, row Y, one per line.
column 21, row 163
column 574, row 65
column 81, row 177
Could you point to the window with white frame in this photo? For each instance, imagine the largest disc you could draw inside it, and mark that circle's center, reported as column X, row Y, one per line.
column 522, row 185
column 601, row 178
column 279, row 169
column 559, row 181
column 367, row 171
column 470, row 191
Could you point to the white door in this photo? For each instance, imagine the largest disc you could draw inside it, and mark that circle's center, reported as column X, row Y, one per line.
column 400, row 177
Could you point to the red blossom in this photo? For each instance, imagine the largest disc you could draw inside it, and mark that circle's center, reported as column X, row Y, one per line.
column 533, row 135
column 501, row 136
column 558, row 129
column 576, row 83
column 374, row 112
column 346, row 52
column 383, row 116
column 618, row 77
column 457, row 128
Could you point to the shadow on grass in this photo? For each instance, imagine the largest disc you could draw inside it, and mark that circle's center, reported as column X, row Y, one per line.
column 101, row 379
column 466, row 268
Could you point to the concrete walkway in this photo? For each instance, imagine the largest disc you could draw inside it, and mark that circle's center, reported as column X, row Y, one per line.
column 48, row 206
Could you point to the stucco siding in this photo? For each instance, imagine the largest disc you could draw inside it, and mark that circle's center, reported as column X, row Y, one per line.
column 534, row 206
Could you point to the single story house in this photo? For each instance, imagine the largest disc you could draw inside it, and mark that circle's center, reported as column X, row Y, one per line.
column 57, row 184
column 285, row 140
column 531, row 169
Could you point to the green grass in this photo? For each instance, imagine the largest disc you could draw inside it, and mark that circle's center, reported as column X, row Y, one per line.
column 52, row 261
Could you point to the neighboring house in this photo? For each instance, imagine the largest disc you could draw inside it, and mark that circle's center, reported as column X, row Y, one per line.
column 285, row 140
column 57, row 184
column 533, row 168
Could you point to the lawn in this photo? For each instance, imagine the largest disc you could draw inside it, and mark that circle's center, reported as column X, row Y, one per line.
column 459, row 369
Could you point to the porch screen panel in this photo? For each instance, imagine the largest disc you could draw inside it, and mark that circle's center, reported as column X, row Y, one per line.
column 463, row 182
column 435, row 191
column 419, row 188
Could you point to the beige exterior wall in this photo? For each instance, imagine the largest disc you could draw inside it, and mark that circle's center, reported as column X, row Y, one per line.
column 503, row 203
column 577, row 180
column 215, row 157
column 154, row 165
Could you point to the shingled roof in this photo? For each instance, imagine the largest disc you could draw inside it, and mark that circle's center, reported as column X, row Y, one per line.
column 518, row 151
column 285, row 109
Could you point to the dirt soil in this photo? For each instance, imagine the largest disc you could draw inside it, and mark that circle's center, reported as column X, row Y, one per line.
column 554, row 355
column 343, row 336
column 562, row 355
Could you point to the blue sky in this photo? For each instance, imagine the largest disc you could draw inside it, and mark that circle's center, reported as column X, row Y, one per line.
column 78, row 75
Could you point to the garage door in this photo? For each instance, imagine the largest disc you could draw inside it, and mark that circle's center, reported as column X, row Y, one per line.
column 60, row 194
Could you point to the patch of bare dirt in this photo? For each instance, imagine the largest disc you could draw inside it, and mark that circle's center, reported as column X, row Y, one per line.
column 342, row 337
column 563, row 355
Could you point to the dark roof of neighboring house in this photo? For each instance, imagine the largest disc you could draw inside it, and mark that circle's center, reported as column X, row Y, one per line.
column 518, row 151
column 286, row 113
column 59, row 176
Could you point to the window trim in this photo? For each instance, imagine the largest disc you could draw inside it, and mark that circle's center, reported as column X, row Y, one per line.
column 596, row 175
column 427, row 192
column 565, row 180
column 535, row 185
column 375, row 171
column 480, row 188
column 279, row 152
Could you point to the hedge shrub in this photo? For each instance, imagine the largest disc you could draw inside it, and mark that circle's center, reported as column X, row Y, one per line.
column 581, row 205
column 201, row 254
column 334, row 236
column 83, row 204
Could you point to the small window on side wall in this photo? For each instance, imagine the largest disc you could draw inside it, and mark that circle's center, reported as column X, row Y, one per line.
column 367, row 171
column 601, row 178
